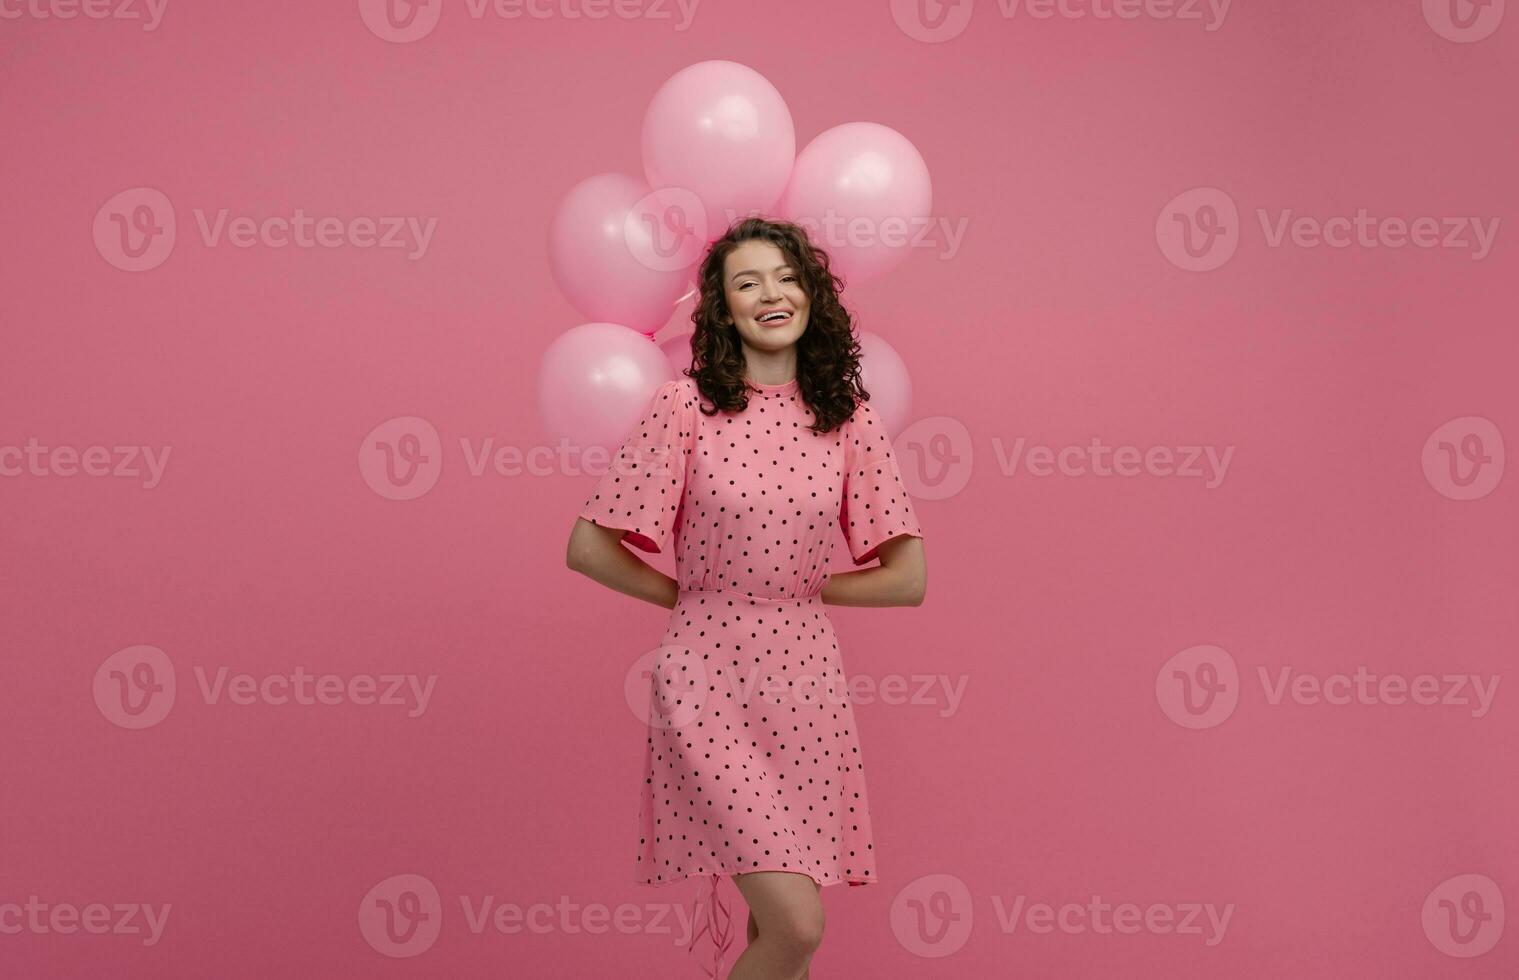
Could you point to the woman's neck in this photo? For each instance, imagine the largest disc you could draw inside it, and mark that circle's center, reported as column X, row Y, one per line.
column 770, row 368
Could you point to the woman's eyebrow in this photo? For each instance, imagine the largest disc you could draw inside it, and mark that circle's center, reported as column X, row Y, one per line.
column 751, row 272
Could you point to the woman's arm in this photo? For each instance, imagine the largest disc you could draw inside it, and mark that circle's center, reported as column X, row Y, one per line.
column 900, row 580
column 598, row 553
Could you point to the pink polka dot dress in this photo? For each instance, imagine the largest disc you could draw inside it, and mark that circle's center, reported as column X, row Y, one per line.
column 753, row 759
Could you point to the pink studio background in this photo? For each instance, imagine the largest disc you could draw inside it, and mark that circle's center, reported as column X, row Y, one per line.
column 1322, row 830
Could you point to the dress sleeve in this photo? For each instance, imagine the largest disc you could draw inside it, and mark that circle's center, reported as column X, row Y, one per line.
column 876, row 506
column 640, row 492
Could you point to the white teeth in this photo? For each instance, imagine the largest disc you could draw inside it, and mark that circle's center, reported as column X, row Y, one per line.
column 772, row 317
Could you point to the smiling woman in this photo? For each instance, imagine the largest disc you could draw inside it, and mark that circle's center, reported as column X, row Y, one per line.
column 758, row 270
column 744, row 469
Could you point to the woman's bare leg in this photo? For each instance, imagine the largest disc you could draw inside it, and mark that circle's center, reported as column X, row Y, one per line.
column 785, row 925
column 754, row 934
column 807, row 973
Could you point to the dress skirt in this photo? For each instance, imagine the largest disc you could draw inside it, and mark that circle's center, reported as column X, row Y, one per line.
column 753, row 760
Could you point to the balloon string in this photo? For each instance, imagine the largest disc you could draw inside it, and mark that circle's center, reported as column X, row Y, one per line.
column 721, row 932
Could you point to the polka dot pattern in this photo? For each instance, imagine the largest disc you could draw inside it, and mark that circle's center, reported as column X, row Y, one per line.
column 758, row 767
column 750, row 499
column 753, row 759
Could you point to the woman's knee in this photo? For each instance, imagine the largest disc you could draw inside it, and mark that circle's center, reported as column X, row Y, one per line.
column 787, row 910
column 800, row 931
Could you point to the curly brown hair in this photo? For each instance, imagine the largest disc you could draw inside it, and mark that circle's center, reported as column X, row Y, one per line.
column 827, row 353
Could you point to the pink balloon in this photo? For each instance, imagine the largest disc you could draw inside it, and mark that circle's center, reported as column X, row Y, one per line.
column 719, row 131
column 677, row 350
column 862, row 192
column 596, row 380
column 680, row 316
column 611, row 254
column 884, row 375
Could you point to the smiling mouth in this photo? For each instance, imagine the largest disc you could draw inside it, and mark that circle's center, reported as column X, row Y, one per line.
column 773, row 318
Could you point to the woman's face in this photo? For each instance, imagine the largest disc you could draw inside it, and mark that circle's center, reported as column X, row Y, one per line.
column 758, row 280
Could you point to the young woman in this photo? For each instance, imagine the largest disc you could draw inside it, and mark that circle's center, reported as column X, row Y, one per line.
column 745, row 466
